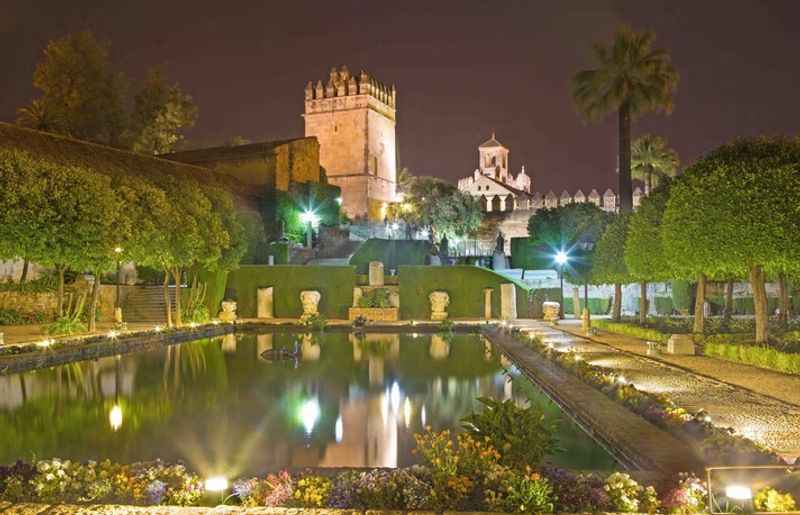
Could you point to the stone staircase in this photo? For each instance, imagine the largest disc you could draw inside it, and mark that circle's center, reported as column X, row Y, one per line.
column 146, row 304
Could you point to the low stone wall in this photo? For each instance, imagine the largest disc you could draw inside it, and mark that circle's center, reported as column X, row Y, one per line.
column 28, row 302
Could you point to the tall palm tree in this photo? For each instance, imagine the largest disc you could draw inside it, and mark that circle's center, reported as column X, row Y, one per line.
column 652, row 160
column 631, row 78
column 36, row 116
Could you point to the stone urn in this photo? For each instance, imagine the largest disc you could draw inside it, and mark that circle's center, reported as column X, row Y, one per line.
column 439, row 301
column 310, row 301
column 550, row 311
column 228, row 313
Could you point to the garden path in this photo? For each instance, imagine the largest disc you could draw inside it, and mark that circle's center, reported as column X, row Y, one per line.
column 764, row 419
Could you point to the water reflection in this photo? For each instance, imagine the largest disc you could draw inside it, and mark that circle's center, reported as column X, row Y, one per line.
column 343, row 400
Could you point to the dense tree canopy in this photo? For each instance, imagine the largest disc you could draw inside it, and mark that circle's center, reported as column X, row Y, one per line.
column 609, row 254
column 652, row 160
column 736, row 212
column 441, row 208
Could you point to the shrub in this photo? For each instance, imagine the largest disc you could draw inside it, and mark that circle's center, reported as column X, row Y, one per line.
column 577, row 493
column 770, row 500
column 629, row 496
column 66, row 325
column 687, row 497
column 522, row 436
column 521, row 493
column 315, row 322
column 629, row 329
column 377, row 298
column 757, row 355
column 311, row 491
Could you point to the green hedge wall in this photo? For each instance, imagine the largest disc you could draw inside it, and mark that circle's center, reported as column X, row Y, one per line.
column 464, row 283
column 756, row 355
column 215, row 289
column 335, row 283
column 664, row 305
column 631, row 330
column 596, row 306
column 392, row 253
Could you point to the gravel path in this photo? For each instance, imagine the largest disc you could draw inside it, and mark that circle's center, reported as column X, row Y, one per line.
column 767, row 420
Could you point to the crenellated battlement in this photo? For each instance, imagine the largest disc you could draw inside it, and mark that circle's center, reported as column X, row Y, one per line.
column 341, row 83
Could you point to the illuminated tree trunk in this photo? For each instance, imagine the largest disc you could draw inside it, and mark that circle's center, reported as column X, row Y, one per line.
column 783, row 294
column 759, row 302
column 642, row 302
column 93, row 303
column 728, row 301
column 625, row 188
column 167, row 302
column 176, row 275
column 699, row 305
column 616, row 310
column 24, row 276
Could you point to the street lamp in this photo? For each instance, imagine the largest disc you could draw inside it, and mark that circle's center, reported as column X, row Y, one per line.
column 311, row 219
column 561, row 260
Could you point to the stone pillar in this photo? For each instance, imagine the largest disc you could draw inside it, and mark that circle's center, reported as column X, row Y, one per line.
column 489, row 202
column 508, row 301
column 265, row 303
column 375, row 273
column 270, row 260
column 487, row 303
column 503, row 202
column 357, row 293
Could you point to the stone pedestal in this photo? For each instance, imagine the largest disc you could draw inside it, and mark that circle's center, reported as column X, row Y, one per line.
column 375, row 273
column 357, row 294
column 310, row 301
column 439, row 301
column 508, row 301
column 487, row 303
column 550, row 311
column 586, row 321
column 498, row 260
column 228, row 313
column 265, row 303
column 680, row 344
column 270, row 260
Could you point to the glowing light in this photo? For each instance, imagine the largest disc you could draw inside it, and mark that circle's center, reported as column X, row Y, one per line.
column 216, row 484
column 339, row 200
column 215, row 322
column 423, row 416
column 561, row 257
column 395, row 396
column 118, row 250
column 192, row 325
column 621, row 380
column 424, row 233
column 309, row 414
column 158, row 329
column 707, row 418
column 406, row 206
column 414, row 335
column 45, row 343
column 115, row 417
column 113, row 334
column 395, row 226
column 407, row 409
column 309, row 217
column 339, row 429
column 578, row 358
column 738, row 492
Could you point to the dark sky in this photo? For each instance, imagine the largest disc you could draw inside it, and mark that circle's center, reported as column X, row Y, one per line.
column 463, row 69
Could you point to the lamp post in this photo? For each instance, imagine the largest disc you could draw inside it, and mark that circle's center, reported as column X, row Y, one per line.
column 561, row 260
column 311, row 219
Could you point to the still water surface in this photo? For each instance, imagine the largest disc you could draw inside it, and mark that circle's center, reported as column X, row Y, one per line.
column 219, row 406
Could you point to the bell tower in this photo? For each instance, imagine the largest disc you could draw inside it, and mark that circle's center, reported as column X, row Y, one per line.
column 354, row 117
column 493, row 159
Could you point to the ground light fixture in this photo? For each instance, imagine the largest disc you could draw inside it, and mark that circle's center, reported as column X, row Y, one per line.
column 561, row 258
column 115, row 417
column 216, row 484
column 730, row 487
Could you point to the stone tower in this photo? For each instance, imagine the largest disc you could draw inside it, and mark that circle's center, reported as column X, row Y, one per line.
column 353, row 118
column 493, row 158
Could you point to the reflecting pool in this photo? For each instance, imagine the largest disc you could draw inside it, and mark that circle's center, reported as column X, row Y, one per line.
column 222, row 405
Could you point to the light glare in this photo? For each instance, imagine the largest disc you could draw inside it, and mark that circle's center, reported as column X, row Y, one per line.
column 216, row 484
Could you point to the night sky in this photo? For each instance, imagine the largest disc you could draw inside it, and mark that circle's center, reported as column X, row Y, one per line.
column 463, row 69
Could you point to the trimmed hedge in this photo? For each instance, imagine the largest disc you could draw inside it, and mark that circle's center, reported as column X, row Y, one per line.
column 631, row 330
column 596, row 306
column 280, row 252
column 664, row 305
column 215, row 282
column 751, row 354
column 392, row 253
column 464, row 284
column 335, row 283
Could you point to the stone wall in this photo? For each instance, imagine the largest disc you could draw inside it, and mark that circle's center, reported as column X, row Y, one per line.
column 28, row 302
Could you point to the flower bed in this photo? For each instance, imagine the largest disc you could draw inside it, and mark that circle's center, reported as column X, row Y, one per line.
column 717, row 445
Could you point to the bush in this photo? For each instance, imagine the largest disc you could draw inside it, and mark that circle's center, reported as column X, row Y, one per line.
column 392, row 253
column 629, row 329
column 629, row 496
column 521, row 493
column 522, row 436
column 596, row 306
column 757, row 355
column 682, row 296
column 377, row 298
column 311, row 491
column 13, row 317
column 770, row 500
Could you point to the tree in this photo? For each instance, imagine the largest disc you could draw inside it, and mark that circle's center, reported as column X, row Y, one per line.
column 608, row 265
column 161, row 111
column 80, row 95
column 734, row 213
column 652, row 160
column 630, row 78
column 441, row 208
column 644, row 253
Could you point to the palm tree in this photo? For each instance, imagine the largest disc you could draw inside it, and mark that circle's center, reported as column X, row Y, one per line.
column 631, row 78
column 652, row 160
column 35, row 116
